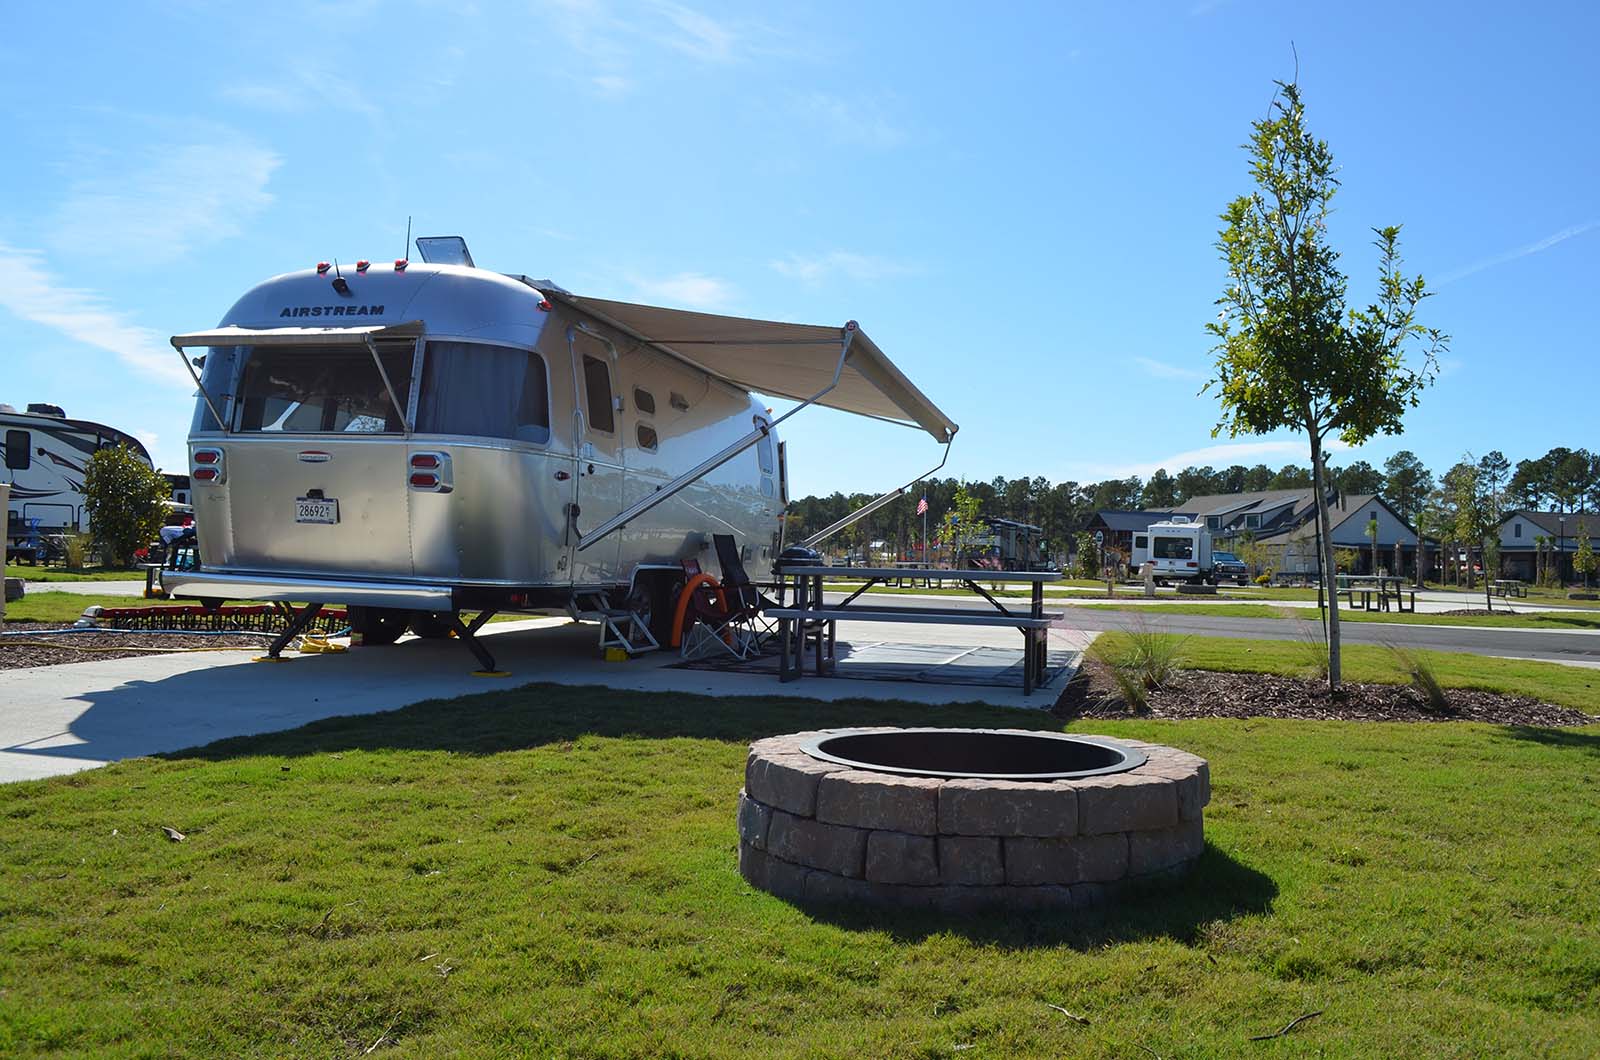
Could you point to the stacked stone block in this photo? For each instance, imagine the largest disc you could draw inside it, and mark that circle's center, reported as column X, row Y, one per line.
column 816, row 831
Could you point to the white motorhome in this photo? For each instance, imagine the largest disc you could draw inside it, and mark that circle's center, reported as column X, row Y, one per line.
column 45, row 454
column 1177, row 548
column 415, row 439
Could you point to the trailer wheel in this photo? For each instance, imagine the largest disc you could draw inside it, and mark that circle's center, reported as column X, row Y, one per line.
column 433, row 625
column 377, row 625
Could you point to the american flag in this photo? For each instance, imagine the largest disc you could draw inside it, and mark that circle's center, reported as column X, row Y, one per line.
column 922, row 506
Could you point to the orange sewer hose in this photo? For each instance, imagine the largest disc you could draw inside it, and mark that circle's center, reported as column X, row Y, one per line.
column 683, row 604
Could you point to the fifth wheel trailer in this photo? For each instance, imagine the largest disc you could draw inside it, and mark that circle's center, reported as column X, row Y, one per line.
column 416, row 439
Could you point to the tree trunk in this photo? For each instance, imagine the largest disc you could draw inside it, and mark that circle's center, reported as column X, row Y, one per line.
column 1328, row 569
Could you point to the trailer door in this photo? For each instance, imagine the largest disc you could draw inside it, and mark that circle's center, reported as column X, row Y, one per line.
column 598, row 475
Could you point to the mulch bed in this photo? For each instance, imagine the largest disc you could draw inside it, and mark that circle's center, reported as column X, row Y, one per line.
column 68, row 649
column 1092, row 693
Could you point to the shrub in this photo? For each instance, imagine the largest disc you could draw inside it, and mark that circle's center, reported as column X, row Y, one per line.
column 79, row 547
column 1264, row 578
column 1423, row 679
column 1147, row 663
column 1311, row 649
column 123, row 496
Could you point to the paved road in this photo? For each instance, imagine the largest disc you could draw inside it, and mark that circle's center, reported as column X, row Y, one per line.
column 1575, row 647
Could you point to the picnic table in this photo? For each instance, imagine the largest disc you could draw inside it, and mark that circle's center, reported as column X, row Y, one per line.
column 1509, row 587
column 1377, row 592
column 811, row 622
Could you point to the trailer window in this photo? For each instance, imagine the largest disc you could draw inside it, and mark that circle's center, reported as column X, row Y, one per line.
column 647, row 438
column 1141, row 542
column 644, row 401
column 597, row 385
column 764, row 448
column 486, row 391
column 19, row 445
column 323, row 389
column 1173, row 548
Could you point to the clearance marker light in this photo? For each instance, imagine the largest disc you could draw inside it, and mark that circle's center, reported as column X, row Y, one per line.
column 363, row 265
column 400, row 264
column 322, row 268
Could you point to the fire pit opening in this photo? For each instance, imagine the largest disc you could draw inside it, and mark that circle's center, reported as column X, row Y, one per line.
column 976, row 753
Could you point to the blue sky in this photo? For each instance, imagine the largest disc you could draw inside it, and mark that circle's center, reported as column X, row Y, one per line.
column 1017, row 201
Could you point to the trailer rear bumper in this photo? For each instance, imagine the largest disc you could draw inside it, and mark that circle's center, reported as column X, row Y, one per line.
column 240, row 586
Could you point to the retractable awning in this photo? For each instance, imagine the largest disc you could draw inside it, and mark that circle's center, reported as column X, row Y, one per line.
column 352, row 336
column 784, row 360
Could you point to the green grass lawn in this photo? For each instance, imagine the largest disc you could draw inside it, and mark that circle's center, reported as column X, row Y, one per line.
column 551, row 872
column 67, row 607
column 61, row 574
column 1526, row 620
column 1571, row 686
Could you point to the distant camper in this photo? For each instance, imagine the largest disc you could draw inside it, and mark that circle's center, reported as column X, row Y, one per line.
column 1178, row 549
column 45, row 458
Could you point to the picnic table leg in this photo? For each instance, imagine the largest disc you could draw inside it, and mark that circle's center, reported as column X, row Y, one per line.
column 787, row 670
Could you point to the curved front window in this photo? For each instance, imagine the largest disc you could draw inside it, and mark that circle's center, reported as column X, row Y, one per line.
column 324, row 389
column 473, row 388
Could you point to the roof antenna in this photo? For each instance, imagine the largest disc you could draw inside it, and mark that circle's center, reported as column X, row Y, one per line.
column 405, row 252
column 340, row 284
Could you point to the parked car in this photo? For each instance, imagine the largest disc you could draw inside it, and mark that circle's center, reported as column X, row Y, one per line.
column 1225, row 566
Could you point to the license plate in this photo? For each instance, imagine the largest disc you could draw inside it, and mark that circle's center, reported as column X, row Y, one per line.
column 316, row 510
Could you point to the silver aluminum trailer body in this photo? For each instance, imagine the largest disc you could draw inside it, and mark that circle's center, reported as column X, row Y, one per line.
column 44, row 461
column 434, row 437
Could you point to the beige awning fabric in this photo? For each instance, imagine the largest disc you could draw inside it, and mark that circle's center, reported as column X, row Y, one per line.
column 784, row 360
column 356, row 336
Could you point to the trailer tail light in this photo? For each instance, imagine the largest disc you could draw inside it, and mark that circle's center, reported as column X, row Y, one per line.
column 429, row 472
column 1191, row 563
column 206, row 466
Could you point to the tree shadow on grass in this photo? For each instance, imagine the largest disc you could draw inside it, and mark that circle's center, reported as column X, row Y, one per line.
column 1587, row 741
column 1218, row 888
column 540, row 714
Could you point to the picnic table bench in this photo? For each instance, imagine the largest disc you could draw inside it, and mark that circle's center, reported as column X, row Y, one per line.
column 1509, row 587
column 810, row 621
column 1377, row 591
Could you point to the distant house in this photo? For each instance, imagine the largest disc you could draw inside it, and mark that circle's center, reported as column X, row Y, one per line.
column 1283, row 521
column 1521, row 529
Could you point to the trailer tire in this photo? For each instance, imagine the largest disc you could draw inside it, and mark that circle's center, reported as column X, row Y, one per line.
column 433, row 625
column 377, row 625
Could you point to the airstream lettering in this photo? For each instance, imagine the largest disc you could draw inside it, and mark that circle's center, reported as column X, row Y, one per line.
column 488, row 442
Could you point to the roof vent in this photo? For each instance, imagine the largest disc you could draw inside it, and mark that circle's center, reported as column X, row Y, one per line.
column 39, row 408
column 444, row 250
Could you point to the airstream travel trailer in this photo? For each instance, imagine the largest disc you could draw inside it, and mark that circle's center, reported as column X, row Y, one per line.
column 416, row 439
column 45, row 454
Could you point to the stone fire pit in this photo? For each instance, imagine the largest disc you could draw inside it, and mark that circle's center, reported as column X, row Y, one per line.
column 957, row 818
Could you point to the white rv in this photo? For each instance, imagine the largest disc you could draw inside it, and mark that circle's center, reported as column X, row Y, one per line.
column 415, row 439
column 45, row 454
column 1178, row 550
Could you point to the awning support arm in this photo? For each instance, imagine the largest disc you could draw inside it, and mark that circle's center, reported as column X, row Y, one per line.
column 372, row 348
column 711, row 463
column 212, row 405
column 873, row 505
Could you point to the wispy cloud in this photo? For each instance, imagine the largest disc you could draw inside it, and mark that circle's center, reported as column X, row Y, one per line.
column 692, row 290
column 856, row 122
column 1538, row 247
column 1224, row 454
column 159, row 205
column 697, row 34
column 303, row 87
column 31, row 291
column 612, row 44
column 1163, row 370
column 863, row 268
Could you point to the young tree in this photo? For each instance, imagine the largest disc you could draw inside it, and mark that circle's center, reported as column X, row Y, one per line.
column 1289, row 353
column 1583, row 561
column 123, row 496
column 963, row 524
